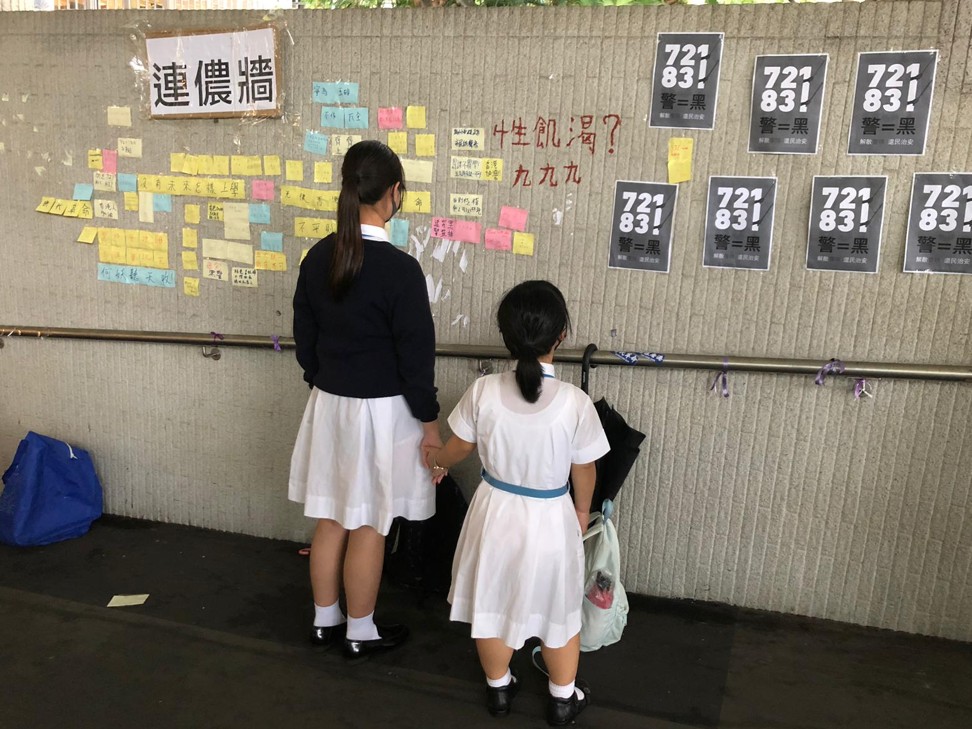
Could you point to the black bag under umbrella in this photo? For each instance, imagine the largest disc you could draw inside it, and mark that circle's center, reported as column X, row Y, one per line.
column 612, row 468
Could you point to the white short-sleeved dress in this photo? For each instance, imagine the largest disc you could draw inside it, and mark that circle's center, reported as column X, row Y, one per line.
column 519, row 565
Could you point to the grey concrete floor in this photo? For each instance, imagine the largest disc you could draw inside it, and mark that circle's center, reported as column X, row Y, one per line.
column 221, row 643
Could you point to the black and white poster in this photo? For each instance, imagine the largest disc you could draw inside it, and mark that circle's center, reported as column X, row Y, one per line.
column 892, row 102
column 739, row 222
column 846, row 223
column 788, row 94
column 641, row 231
column 685, row 86
column 940, row 224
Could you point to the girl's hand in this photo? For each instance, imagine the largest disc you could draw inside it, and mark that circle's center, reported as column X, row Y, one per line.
column 431, row 442
column 584, row 519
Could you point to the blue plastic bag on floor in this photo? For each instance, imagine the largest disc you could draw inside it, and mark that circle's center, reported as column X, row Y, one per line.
column 51, row 493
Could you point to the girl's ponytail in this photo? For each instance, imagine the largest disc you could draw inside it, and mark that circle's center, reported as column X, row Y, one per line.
column 348, row 246
column 529, row 377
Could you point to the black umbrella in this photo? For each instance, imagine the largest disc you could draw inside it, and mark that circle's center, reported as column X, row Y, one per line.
column 612, row 468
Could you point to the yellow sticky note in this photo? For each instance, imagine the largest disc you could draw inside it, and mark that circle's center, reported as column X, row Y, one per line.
column 128, row 147
column 189, row 261
column 192, row 214
column 398, row 142
column 415, row 117
column 492, row 169
column 221, row 165
column 323, row 172
column 46, row 204
column 303, row 254
column 131, row 201
column 214, row 211
column 177, row 160
column 271, row 164
column 190, row 238
column 71, row 209
column 417, row 170
column 119, row 116
column 251, row 165
column 523, row 243
column 269, row 261
column 679, row 159
column 417, row 202
column 88, row 234
column 190, row 165
column 94, row 159
column 236, row 221
column 86, row 210
column 424, row 145
column 59, row 207
column 295, row 170
column 190, row 286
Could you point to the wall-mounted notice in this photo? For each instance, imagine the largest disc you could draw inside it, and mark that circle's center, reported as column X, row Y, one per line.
column 686, row 80
column 846, row 222
column 940, row 224
column 641, row 231
column 195, row 74
column 788, row 94
column 892, row 102
column 739, row 222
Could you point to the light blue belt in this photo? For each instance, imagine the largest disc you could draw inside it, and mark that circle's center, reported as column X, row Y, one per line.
column 523, row 490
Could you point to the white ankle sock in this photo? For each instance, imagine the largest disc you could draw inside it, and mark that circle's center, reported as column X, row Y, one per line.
column 564, row 692
column 362, row 628
column 506, row 680
column 329, row 616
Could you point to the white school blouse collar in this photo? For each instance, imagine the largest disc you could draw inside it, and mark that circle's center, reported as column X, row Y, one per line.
column 373, row 232
column 548, row 369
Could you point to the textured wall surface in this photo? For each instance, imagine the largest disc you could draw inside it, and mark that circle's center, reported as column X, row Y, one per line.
column 786, row 496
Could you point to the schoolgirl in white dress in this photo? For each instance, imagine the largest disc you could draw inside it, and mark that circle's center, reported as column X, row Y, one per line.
column 519, row 565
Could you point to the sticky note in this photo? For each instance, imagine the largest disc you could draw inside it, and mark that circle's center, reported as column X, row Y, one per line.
column 82, row 191
column 466, row 168
column 227, row 250
column 680, row 159
column 146, row 207
column 177, row 161
column 492, row 169
column 417, row 170
column 259, row 214
column 88, row 234
column 192, row 214
column 245, row 277
column 126, row 600
column 189, row 261
column 262, row 189
column 190, row 286
column 443, row 228
column 86, row 210
column 271, row 241
column 356, row 117
column 214, row 211
column 341, row 143
column 398, row 232
column 190, row 238
column 515, row 218
column 424, row 145
column 59, row 207
column 129, row 147
column 390, row 117
column 467, row 231
column 94, row 159
column 248, row 165
column 334, row 92
column 315, row 143
column 295, row 170
column 236, row 221
column 119, row 116
column 303, row 254
column 398, row 142
column 46, row 204
column 127, row 182
column 417, row 202
column 131, row 201
column 466, row 204
column 271, row 165
column 109, row 161
column 415, row 117
column 313, row 227
column 221, row 165
column 162, row 203
column 468, row 138
column 323, row 172
column 216, row 270
column 105, row 181
column 269, row 261
column 523, row 243
column 106, row 209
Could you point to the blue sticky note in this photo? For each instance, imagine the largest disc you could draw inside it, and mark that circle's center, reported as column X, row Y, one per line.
column 315, row 143
column 335, row 92
column 356, row 117
column 137, row 275
column 162, row 203
column 83, row 191
column 259, row 214
column 127, row 182
column 332, row 117
column 271, row 241
column 399, row 232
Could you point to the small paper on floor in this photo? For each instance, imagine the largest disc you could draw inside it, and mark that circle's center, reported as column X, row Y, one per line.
column 127, row 600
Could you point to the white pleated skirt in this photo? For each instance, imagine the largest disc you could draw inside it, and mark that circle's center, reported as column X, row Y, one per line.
column 519, row 569
column 358, row 461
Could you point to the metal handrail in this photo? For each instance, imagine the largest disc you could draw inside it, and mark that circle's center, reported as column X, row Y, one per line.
column 956, row 373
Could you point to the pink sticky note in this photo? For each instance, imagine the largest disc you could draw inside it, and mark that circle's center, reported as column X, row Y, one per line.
column 262, row 190
column 444, row 228
column 109, row 161
column 389, row 117
column 467, row 231
column 515, row 218
column 498, row 239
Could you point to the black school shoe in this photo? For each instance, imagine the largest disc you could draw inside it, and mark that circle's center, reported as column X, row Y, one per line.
column 390, row 637
column 561, row 712
column 500, row 700
column 327, row 636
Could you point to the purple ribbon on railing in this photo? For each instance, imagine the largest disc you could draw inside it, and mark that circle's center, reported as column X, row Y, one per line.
column 833, row 367
column 724, row 376
column 216, row 337
column 860, row 389
column 276, row 342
